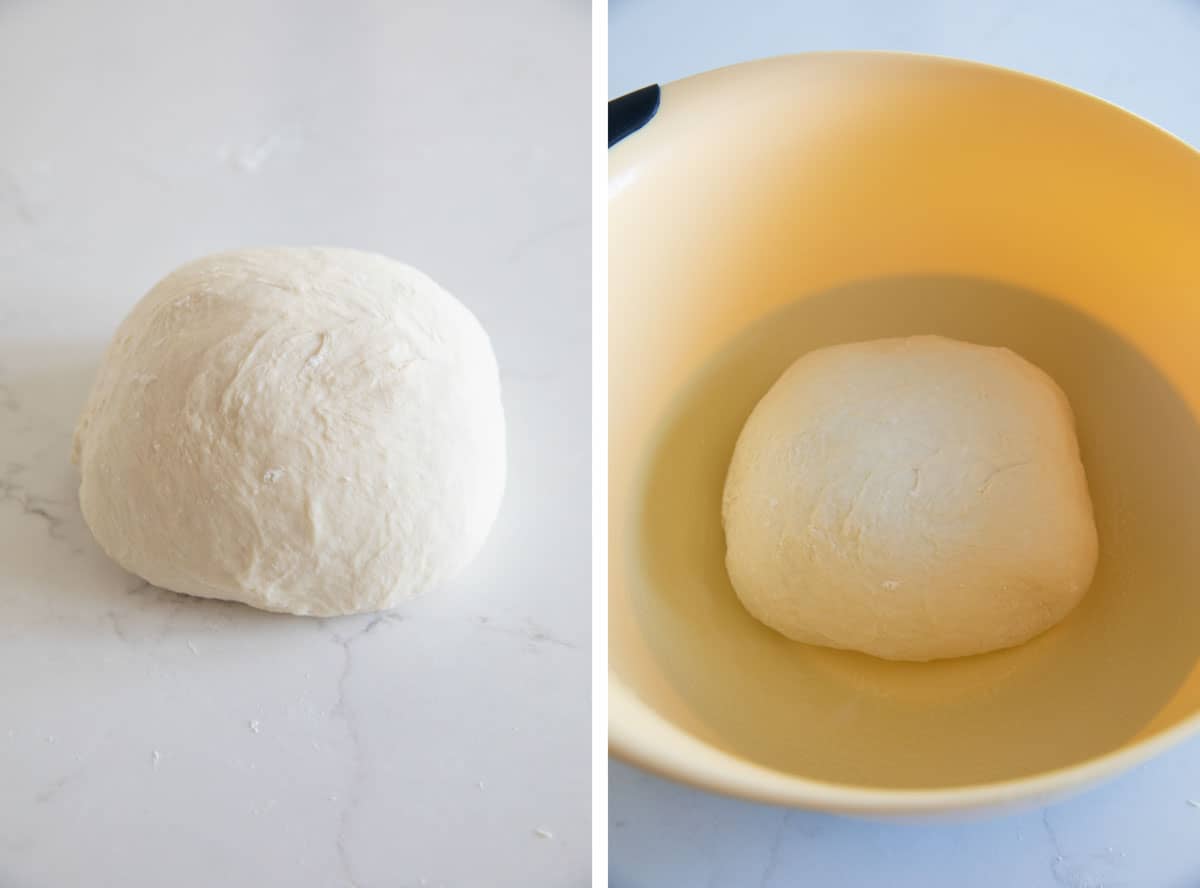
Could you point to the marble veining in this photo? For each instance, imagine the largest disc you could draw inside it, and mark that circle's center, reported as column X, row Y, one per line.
column 149, row 739
column 343, row 711
column 162, row 635
column 1138, row 831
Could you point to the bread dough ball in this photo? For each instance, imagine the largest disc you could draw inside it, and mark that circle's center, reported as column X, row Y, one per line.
column 316, row 431
column 910, row 498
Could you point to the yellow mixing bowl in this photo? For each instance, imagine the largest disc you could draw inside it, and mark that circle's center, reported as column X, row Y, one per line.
column 778, row 206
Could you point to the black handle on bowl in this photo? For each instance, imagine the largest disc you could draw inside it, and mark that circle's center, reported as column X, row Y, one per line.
column 631, row 112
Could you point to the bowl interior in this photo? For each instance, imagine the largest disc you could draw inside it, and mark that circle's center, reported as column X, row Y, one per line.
column 854, row 196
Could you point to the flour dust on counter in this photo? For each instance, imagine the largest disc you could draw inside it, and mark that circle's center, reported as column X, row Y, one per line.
column 247, row 723
column 453, row 136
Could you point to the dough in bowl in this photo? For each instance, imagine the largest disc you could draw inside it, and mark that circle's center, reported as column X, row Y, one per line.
column 315, row 431
column 910, row 498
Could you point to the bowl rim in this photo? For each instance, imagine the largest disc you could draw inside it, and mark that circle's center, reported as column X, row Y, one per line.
column 752, row 781
column 761, row 784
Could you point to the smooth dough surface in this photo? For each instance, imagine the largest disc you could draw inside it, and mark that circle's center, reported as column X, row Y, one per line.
column 910, row 498
column 315, row 431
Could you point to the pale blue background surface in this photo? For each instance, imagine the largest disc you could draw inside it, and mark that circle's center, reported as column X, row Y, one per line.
column 1138, row 831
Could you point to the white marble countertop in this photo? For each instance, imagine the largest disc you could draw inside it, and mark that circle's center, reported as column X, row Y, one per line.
column 1139, row 831
column 151, row 740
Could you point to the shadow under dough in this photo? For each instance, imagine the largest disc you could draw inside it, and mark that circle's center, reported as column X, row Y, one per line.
column 1077, row 691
